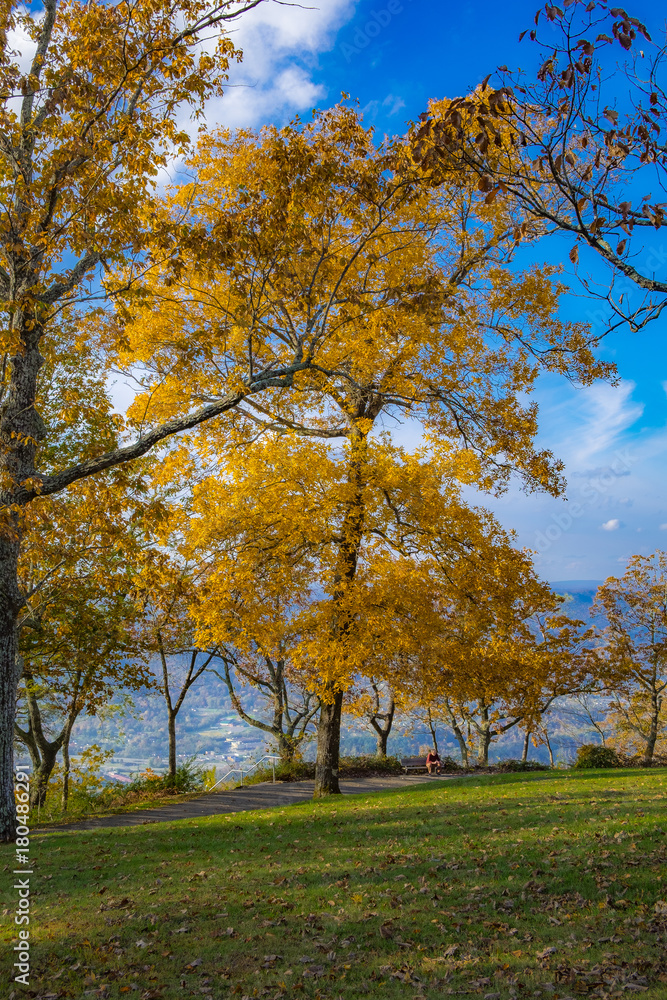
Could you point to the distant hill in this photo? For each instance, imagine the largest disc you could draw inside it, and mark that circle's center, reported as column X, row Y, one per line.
column 581, row 594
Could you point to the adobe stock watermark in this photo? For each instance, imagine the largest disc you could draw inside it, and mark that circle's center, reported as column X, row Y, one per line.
column 592, row 491
column 378, row 21
column 22, row 885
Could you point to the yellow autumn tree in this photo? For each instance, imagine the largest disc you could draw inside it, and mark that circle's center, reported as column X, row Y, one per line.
column 80, row 631
column 631, row 651
column 395, row 301
column 90, row 111
column 469, row 633
column 438, row 596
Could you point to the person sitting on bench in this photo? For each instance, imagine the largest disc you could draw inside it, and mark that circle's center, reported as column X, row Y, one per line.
column 433, row 762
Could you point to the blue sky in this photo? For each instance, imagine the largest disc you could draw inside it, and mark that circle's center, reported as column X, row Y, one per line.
column 392, row 56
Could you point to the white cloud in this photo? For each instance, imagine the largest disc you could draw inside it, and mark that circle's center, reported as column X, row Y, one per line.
column 391, row 105
column 613, row 525
column 243, row 106
column 608, row 412
column 19, row 41
column 663, row 527
column 280, row 46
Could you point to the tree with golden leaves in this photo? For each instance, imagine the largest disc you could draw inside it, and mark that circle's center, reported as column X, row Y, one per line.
column 631, row 654
column 84, row 131
column 439, row 596
column 80, row 631
column 490, row 649
column 401, row 300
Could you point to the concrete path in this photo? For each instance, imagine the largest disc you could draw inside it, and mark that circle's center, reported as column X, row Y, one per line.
column 260, row 796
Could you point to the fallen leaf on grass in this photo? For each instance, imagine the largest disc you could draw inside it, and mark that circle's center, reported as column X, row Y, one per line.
column 546, row 952
column 270, row 961
column 314, row 970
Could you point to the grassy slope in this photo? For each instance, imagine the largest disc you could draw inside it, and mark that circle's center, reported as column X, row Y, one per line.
column 457, row 887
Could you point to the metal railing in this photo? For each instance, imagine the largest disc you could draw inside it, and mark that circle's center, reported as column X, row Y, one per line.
column 246, row 770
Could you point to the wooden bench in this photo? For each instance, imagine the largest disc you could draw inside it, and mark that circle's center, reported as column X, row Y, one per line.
column 413, row 764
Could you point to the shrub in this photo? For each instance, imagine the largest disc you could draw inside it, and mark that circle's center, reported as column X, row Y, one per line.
column 289, row 770
column 510, row 765
column 188, row 778
column 591, row 755
column 449, row 764
column 368, row 765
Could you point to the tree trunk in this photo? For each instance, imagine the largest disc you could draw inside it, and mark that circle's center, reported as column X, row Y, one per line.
column 433, row 730
column 9, row 682
column 286, row 747
column 484, row 744
column 49, row 760
column 549, row 748
column 485, row 736
column 66, row 770
column 21, row 430
column 43, row 752
column 383, row 731
column 171, row 774
column 526, row 744
column 328, row 746
column 656, row 705
column 328, row 730
column 458, row 733
column 43, row 756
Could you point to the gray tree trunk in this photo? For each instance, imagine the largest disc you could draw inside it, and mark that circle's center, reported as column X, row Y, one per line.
column 328, row 746
column 526, row 744
column 458, row 733
column 656, row 705
column 386, row 717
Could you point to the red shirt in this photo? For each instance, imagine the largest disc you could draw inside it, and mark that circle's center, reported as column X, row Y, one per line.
column 431, row 758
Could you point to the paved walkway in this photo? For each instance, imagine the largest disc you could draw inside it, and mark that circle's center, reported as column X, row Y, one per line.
column 260, row 796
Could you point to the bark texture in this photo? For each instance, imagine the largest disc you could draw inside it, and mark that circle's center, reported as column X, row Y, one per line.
column 328, row 746
column 656, row 705
column 526, row 745
column 8, row 689
column 382, row 721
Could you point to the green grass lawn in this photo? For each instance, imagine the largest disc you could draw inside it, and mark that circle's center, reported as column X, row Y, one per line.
column 517, row 885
